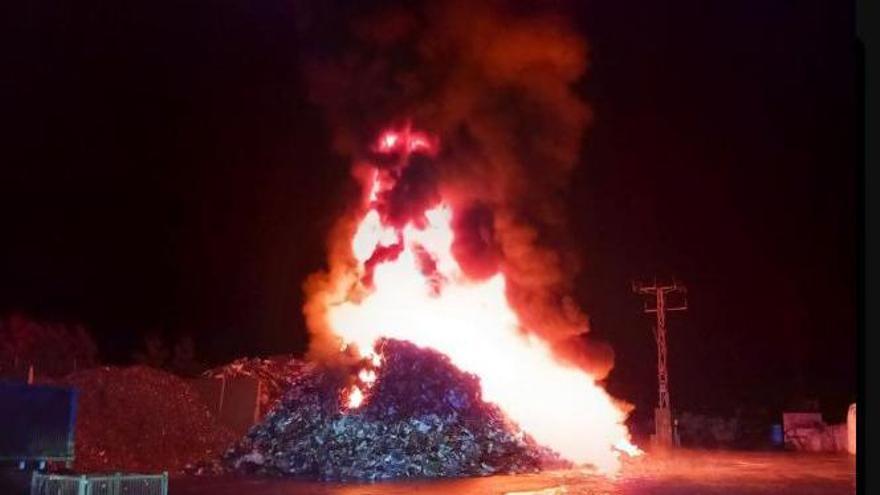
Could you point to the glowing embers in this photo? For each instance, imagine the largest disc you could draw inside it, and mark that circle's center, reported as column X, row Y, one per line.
column 355, row 397
column 366, row 377
column 355, row 393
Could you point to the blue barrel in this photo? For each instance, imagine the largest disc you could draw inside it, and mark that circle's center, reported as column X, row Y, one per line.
column 776, row 436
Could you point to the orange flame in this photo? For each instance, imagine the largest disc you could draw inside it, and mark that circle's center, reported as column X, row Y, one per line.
column 371, row 234
column 471, row 322
column 367, row 376
column 355, row 397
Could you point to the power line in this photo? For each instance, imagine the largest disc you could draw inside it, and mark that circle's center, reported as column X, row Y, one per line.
column 663, row 413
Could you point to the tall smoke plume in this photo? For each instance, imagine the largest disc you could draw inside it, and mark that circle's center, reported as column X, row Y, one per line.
column 493, row 80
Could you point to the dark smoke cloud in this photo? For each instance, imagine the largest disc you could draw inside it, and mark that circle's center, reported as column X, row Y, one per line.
column 474, row 246
column 494, row 81
column 415, row 191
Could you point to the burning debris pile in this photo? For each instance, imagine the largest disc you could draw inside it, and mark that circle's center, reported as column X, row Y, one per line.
column 423, row 417
column 141, row 419
column 276, row 374
column 463, row 127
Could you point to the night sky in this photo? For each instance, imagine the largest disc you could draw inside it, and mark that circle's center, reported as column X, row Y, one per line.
column 163, row 171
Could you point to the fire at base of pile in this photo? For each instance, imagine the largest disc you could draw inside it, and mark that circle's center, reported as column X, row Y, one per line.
column 423, row 417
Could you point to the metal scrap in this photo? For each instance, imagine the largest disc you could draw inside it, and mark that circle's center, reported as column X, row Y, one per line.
column 423, row 417
column 276, row 374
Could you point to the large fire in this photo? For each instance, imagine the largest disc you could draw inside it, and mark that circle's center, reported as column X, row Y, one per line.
column 412, row 288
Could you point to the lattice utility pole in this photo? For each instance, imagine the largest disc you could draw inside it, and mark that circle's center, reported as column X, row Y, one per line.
column 663, row 413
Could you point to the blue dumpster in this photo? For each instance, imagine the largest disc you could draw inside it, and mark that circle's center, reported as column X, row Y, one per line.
column 776, row 436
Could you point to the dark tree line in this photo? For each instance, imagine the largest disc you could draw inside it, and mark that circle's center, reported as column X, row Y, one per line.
column 53, row 349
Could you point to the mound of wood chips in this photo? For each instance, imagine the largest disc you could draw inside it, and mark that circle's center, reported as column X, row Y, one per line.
column 141, row 419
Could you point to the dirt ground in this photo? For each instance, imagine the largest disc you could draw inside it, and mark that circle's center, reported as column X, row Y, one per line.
column 679, row 473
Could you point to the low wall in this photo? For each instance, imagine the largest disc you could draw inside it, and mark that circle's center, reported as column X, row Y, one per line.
column 809, row 432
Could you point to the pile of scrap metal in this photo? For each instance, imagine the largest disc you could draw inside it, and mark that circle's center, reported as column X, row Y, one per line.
column 276, row 374
column 423, row 417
